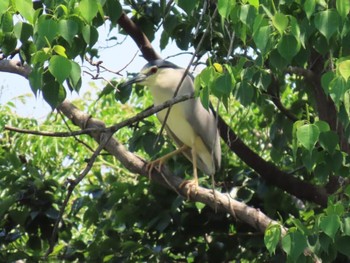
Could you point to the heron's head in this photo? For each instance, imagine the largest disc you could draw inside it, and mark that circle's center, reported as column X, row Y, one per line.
column 150, row 72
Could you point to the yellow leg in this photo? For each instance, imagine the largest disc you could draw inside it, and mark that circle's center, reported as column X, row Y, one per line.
column 159, row 162
column 193, row 184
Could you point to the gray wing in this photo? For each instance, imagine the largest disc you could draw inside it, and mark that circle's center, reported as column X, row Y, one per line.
column 204, row 124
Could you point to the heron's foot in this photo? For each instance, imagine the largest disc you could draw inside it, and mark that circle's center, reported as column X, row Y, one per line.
column 156, row 164
column 192, row 187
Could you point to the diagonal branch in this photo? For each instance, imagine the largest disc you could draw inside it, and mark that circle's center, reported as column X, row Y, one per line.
column 217, row 201
column 223, row 201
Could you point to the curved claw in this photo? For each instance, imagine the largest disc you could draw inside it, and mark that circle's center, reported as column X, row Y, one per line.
column 192, row 186
column 157, row 164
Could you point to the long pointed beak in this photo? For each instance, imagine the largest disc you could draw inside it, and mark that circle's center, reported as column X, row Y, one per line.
column 138, row 78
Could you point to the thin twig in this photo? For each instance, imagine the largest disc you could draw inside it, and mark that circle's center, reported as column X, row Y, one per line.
column 72, row 184
column 75, row 137
column 112, row 129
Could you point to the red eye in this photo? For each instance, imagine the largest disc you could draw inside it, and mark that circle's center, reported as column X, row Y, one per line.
column 154, row 70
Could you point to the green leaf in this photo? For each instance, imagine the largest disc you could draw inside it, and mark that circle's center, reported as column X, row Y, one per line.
column 327, row 22
column 187, row 6
column 6, row 203
column 53, row 92
column 343, row 245
column 47, row 29
column 25, row 8
column 224, row 7
column 23, row 31
column 122, row 95
column 294, row 244
column 326, row 80
column 280, row 22
column 204, row 96
column 90, row 35
column 322, row 126
column 9, row 43
column 329, row 140
column 164, row 40
column 330, row 224
column 272, row 237
column 199, row 206
column 247, row 15
column 35, row 79
column 60, row 67
column 308, row 135
column 346, row 225
column 309, row 7
column 288, row 47
column 344, row 69
column 245, row 93
column 68, row 29
column 113, row 10
column 75, row 76
column 337, row 89
column 222, row 86
column 343, row 8
column 88, row 9
column 254, row 3
column 60, row 50
column 261, row 33
column 346, row 101
column 4, row 5
column 6, row 22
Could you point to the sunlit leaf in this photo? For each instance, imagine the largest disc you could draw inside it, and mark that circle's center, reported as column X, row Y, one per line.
column 224, row 7
column 294, row 244
column 23, row 31
column 343, row 8
column 3, row 6
column 272, row 237
column 344, row 69
column 330, row 225
column 280, row 21
column 88, row 9
column 308, row 135
column 68, row 29
column 327, row 22
column 288, row 47
column 60, row 67
column 25, row 8
column 309, row 7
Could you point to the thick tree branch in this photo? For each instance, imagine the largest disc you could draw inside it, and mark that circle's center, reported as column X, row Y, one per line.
column 270, row 172
column 222, row 202
column 139, row 37
column 324, row 104
column 218, row 201
column 14, row 66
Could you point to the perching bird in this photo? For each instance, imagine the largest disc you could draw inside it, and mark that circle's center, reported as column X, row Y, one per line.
column 189, row 124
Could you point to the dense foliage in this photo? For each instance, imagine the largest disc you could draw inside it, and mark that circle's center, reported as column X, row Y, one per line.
column 279, row 71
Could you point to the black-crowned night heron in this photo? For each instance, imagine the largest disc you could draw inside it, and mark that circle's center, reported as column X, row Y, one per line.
column 189, row 124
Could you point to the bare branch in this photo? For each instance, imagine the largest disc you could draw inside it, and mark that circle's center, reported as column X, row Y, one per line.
column 139, row 37
column 15, row 66
column 112, row 129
